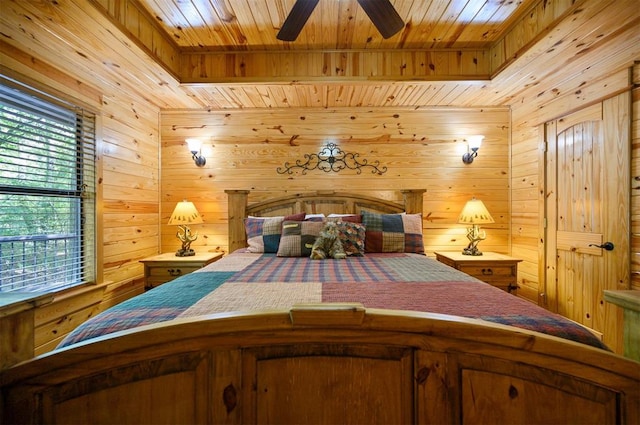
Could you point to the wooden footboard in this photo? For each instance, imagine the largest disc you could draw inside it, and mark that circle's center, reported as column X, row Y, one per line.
column 326, row 363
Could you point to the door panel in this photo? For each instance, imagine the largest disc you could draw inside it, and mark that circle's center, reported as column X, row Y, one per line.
column 580, row 242
column 580, row 152
column 587, row 204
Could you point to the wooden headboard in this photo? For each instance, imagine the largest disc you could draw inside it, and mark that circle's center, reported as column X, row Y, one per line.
column 317, row 202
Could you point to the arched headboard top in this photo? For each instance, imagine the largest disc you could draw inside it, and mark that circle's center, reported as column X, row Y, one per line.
column 316, row 202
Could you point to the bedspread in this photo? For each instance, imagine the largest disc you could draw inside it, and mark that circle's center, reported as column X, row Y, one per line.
column 247, row 281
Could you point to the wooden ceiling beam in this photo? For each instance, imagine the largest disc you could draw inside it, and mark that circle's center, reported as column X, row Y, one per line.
column 338, row 66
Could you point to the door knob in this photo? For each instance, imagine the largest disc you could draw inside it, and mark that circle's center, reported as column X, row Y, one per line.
column 607, row 246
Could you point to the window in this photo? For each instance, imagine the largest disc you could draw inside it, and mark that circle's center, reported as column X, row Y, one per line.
column 47, row 191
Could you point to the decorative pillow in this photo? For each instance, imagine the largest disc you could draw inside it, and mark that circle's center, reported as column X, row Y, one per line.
column 295, row 217
column 352, row 236
column 263, row 233
column 393, row 232
column 313, row 217
column 298, row 237
column 352, row 218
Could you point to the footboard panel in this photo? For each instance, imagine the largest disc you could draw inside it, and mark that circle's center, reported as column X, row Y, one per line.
column 324, row 366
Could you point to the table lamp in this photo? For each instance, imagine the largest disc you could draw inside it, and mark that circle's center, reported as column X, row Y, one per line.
column 474, row 213
column 183, row 215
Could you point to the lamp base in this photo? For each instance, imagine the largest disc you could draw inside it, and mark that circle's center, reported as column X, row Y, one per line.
column 185, row 253
column 471, row 251
column 185, row 236
column 475, row 236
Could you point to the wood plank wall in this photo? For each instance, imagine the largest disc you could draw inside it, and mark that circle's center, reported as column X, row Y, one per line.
column 128, row 149
column 535, row 108
column 528, row 171
column 128, row 154
column 422, row 148
column 635, row 179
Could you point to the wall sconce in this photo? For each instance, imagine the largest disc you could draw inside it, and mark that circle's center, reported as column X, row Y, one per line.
column 184, row 214
column 195, row 147
column 474, row 213
column 474, row 143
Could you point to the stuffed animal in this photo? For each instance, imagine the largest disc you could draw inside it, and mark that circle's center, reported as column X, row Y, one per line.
column 328, row 244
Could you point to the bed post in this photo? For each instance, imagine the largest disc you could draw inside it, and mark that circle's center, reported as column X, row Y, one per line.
column 236, row 212
column 413, row 200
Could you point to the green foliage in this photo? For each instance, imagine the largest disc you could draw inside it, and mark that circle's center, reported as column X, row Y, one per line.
column 36, row 153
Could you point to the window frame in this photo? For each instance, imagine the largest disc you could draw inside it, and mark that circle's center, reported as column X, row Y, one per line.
column 84, row 193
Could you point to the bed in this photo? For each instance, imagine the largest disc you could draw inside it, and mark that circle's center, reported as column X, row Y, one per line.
column 267, row 335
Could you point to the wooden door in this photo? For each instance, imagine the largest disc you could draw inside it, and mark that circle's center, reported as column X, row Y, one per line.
column 587, row 206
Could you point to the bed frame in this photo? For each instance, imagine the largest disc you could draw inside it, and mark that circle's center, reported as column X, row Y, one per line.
column 323, row 363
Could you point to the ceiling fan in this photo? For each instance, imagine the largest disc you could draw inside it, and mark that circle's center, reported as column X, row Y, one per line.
column 381, row 12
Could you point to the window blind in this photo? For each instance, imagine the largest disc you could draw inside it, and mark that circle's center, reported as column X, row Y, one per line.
column 47, row 191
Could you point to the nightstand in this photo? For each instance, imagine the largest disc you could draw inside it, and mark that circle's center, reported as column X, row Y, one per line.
column 163, row 268
column 495, row 269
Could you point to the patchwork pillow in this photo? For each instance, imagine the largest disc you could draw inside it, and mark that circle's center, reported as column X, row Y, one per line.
column 263, row 233
column 352, row 236
column 298, row 237
column 393, row 232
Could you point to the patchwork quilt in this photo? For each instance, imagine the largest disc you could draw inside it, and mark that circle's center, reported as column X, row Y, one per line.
column 246, row 281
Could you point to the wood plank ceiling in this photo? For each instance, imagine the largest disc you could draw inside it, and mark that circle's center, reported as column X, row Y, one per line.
column 225, row 53
column 252, row 25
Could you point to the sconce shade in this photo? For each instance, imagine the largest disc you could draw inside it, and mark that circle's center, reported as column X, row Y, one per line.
column 473, row 144
column 195, row 147
column 474, row 212
column 185, row 213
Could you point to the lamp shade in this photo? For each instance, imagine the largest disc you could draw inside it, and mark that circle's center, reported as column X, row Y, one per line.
column 194, row 145
column 474, row 212
column 185, row 213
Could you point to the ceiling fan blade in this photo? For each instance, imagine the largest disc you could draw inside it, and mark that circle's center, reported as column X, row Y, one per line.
column 383, row 15
column 296, row 19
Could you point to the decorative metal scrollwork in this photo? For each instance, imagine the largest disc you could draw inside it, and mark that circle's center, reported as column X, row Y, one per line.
column 332, row 158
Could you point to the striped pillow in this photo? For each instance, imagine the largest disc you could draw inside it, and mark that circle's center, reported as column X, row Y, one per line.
column 263, row 234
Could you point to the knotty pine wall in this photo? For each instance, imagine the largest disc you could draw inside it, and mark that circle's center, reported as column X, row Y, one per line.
column 526, row 178
column 422, row 148
column 128, row 159
column 71, row 50
column 527, row 172
column 635, row 182
column 129, row 187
